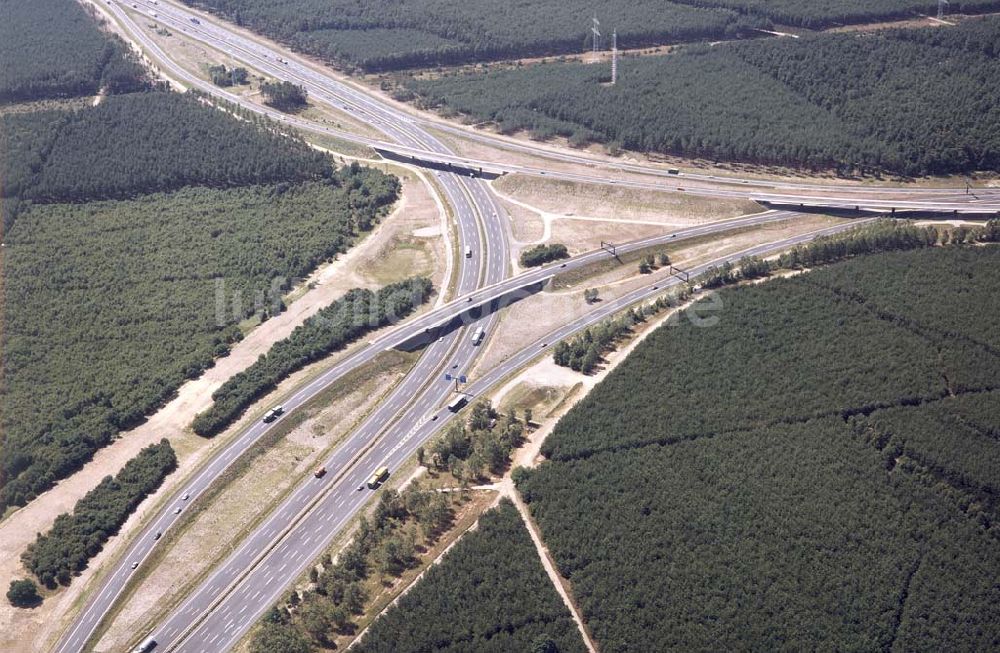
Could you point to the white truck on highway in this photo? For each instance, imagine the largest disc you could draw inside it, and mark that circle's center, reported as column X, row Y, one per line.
column 456, row 404
column 477, row 336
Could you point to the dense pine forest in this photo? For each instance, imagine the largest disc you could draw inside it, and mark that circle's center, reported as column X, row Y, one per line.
column 911, row 102
column 138, row 233
column 831, row 13
column 148, row 142
column 488, row 595
column 831, row 444
column 390, row 35
column 54, row 49
column 111, row 305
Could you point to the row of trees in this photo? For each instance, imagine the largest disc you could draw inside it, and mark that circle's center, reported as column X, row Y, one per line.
column 76, row 538
column 384, row 547
column 161, row 283
column 149, row 142
column 583, row 352
column 346, row 320
column 284, row 95
column 385, row 35
column 222, row 76
column 893, row 102
column 542, row 254
column 489, row 593
column 483, row 445
column 54, row 49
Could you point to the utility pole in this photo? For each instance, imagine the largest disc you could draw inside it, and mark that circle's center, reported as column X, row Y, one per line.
column 614, row 57
column 596, row 31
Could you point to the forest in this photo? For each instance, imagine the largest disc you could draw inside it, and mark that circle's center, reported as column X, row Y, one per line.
column 356, row 314
column 390, row 35
column 111, row 305
column 833, row 13
column 149, row 142
column 900, row 101
column 54, row 49
column 494, row 570
column 830, row 442
column 74, row 539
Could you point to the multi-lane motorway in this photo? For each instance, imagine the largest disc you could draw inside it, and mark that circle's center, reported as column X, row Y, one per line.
column 225, row 605
column 253, row 577
column 381, row 114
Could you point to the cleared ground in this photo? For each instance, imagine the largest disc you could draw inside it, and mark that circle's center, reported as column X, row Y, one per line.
column 613, row 202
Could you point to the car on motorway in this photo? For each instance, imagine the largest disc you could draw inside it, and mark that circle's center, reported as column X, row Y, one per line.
column 273, row 414
column 177, row 510
column 135, row 565
column 320, row 473
column 186, row 496
column 146, row 646
column 158, row 535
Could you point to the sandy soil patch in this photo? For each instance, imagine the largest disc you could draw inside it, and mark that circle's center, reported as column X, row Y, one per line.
column 614, row 202
column 26, row 630
column 413, row 244
column 584, row 235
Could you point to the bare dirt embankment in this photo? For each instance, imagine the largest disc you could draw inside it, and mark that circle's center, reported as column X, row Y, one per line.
column 26, row 630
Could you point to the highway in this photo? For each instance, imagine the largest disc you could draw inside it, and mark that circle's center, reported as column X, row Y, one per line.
column 382, row 114
column 257, row 574
column 463, row 308
column 222, row 608
column 480, row 229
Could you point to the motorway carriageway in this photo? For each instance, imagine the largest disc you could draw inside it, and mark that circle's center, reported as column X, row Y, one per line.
column 345, row 96
column 255, row 576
